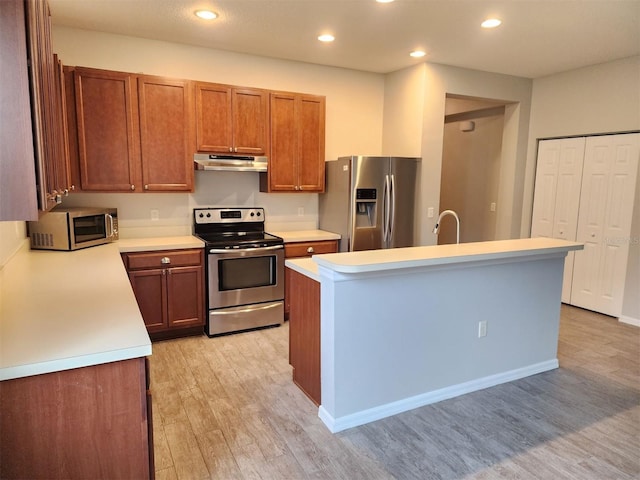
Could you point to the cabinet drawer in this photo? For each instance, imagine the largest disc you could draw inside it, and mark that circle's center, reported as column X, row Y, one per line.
column 306, row 249
column 164, row 258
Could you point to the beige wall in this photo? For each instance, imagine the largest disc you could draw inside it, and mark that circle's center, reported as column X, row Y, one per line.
column 354, row 115
column 12, row 235
column 354, row 99
column 430, row 84
column 597, row 99
column 470, row 177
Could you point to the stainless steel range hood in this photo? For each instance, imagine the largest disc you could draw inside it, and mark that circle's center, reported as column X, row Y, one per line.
column 230, row 163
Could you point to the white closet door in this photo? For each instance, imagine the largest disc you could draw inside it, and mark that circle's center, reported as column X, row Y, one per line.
column 604, row 222
column 557, row 196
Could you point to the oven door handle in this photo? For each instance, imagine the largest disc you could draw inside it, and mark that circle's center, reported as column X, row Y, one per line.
column 253, row 249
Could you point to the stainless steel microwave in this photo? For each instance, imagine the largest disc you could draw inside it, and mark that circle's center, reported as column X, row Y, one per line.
column 73, row 228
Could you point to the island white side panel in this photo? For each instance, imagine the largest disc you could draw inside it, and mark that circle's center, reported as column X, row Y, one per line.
column 394, row 337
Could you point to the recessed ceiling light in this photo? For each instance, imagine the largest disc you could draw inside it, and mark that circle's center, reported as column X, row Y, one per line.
column 206, row 14
column 327, row 37
column 384, row 1
column 417, row 53
column 491, row 23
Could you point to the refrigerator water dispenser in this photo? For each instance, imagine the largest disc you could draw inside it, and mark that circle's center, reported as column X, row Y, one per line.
column 365, row 208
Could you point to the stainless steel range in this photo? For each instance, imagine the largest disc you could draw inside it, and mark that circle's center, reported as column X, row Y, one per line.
column 245, row 269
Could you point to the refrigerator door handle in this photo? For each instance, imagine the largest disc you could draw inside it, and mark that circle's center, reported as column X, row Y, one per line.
column 385, row 212
column 392, row 215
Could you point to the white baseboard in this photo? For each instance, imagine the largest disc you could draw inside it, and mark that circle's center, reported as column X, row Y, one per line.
column 376, row 413
column 630, row 320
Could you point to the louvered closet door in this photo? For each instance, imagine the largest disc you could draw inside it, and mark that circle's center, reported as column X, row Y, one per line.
column 604, row 222
column 557, row 196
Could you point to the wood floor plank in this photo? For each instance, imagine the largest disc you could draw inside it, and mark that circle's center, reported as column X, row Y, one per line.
column 226, row 408
column 187, row 458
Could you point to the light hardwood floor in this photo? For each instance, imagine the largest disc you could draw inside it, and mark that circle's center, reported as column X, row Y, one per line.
column 226, row 408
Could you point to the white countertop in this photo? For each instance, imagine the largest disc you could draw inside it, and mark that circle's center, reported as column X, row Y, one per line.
column 395, row 258
column 305, row 265
column 160, row 243
column 64, row 310
column 306, row 236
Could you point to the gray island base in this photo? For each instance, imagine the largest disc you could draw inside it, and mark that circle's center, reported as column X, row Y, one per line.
column 407, row 327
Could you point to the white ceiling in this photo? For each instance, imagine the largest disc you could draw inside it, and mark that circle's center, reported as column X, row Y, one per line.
column 537, row 37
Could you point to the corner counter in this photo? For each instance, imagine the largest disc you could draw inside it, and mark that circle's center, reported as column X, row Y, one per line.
column 406, row 327
column 73, row 348
column 65, row 310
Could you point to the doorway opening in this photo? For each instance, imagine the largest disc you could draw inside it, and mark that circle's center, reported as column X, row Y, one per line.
column 471, row 163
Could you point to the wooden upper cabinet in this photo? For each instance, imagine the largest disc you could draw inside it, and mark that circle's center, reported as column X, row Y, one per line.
column 166, row 134
column 33, row 137
column 296, row 162
column 311, row 143
column 63, row 183
column 18, row 198
column 282, row 172
column 231, row 120
column 106, row 116
column 133, row 133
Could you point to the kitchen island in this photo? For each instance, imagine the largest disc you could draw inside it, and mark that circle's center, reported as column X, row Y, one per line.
column 407, row 327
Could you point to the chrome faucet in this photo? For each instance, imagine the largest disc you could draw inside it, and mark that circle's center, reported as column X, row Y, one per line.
column 444, row 213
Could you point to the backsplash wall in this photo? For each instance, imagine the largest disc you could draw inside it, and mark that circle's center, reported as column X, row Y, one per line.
column 283, row 211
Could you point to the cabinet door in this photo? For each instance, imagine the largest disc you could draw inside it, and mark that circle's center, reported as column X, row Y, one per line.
column 557, row 196
column 213, row 118
column 18, row 198
column 283, row 174
column 185, row 295
column 250, row 109
column 166, row 130
column 311, row 143
column 61, row 163
column 296, row 161
column 150, row 290
column 106, row 115
column 46, row 107
column 304, row 334
column 604, row 223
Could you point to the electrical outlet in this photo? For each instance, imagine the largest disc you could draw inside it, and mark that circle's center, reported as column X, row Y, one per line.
column 493, row 206
column 482, row 329
column 301, row 211
column 430, row 212
column 155, row 215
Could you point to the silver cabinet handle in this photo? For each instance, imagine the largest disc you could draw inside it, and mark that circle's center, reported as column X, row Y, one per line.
column 310, row 250
column 165, row 260
column 133, row 187
column 146, row 187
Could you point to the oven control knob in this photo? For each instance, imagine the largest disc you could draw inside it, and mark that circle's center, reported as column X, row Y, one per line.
column 201, row 215
column 258, row 213
column 208, row 215
column 252, row 214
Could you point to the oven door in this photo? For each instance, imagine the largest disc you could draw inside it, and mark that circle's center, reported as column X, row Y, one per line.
column 245, row 276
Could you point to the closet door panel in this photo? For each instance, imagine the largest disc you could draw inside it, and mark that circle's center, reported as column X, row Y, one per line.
column 604, row 222
column 565, row 220
column 557, row 196
column 545, row 188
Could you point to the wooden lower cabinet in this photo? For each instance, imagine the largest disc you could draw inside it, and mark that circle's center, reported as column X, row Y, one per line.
column 91, row 422
column 304, row 334
column 169, row 289
column 304, row 249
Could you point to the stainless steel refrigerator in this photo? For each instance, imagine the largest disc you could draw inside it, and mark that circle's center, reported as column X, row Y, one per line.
column 370, row 201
